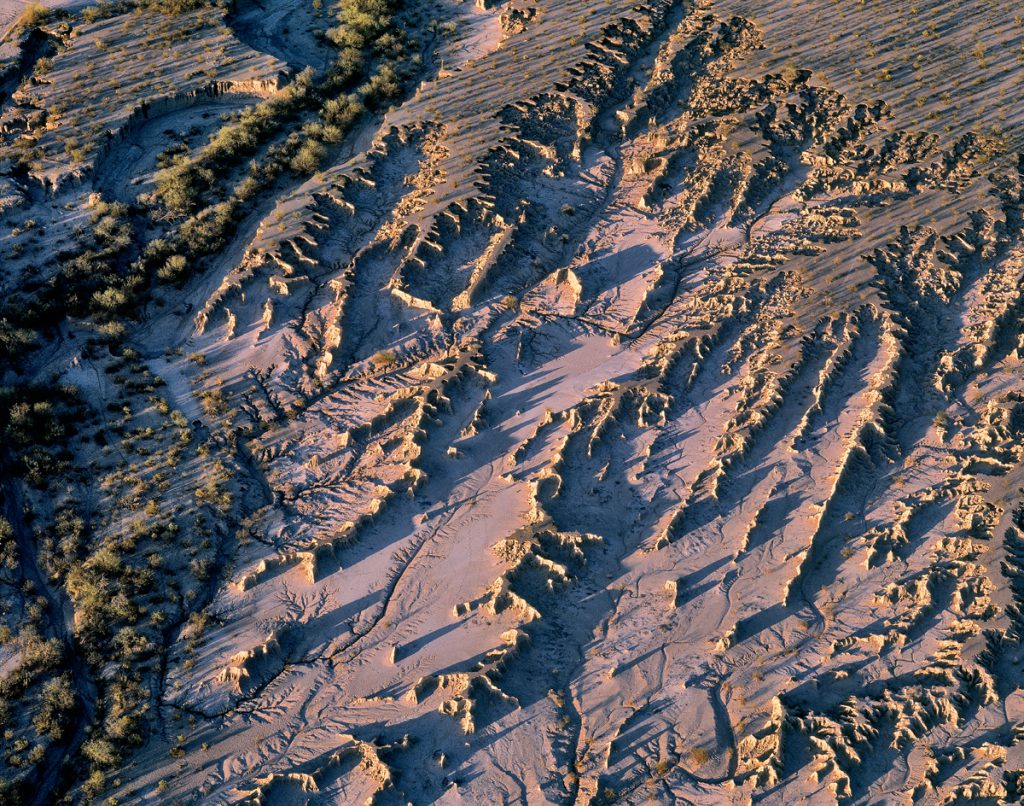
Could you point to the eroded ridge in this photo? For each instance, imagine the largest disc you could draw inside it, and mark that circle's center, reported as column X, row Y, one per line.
column 557, row 402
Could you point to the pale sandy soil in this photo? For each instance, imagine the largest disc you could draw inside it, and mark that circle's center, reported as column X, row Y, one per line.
column 634, row 414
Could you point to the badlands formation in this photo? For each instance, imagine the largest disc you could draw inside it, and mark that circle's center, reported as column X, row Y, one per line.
column 540, row 401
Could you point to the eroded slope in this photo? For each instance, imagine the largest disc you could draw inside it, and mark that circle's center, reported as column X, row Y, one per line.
column 626, row 407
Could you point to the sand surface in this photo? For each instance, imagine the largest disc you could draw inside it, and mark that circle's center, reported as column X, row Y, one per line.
column 633, row 413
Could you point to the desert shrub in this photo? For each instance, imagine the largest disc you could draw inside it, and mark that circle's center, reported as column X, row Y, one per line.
column 383, row 86
column 183, row 183
column 173, row 269
column 207, row 232
column 94, row 784
column 255, row 123
column 131, row 644
column 166, row 158
column 390, row 44
column 110, row 299
column 363, row 25
column 384, row 359
column 114, row 331
column 201, row 569
column 309, row 157
column 124, row 697
column 36, row 416
column 56, row 702
column 101, row 263
column 39, row 467
column 60, row 550
column 361, row 21
column 101, row 752
column 348, row 65
column 343, row 111
column 111, row 225
column 39, row 654
column 105, row 9
column 182, row 187
column 33, row 16
column 8, row 545
column 213, row 402
column 14, row 338
column 174, row 8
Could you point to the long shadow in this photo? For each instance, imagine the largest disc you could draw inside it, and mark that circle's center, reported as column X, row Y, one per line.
column 333, row 623
column 615, row 269
column 690, row 585
column 776, row 514
column 764, row 620
column 405, row 651
column 705, row 511
column 629, row 741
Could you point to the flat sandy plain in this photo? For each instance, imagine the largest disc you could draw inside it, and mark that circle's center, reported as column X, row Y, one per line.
column 629, row 410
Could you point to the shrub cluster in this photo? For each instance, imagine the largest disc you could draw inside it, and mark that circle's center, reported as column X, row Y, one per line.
column 368, row 73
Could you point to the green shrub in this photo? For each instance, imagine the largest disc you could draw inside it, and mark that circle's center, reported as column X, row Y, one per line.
column 343, row 111
column 56, row 702
column 173, row 269
column 100, row 752
column 33, row 16
column 384, row 359
column 309, row 157
column 182, row 187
